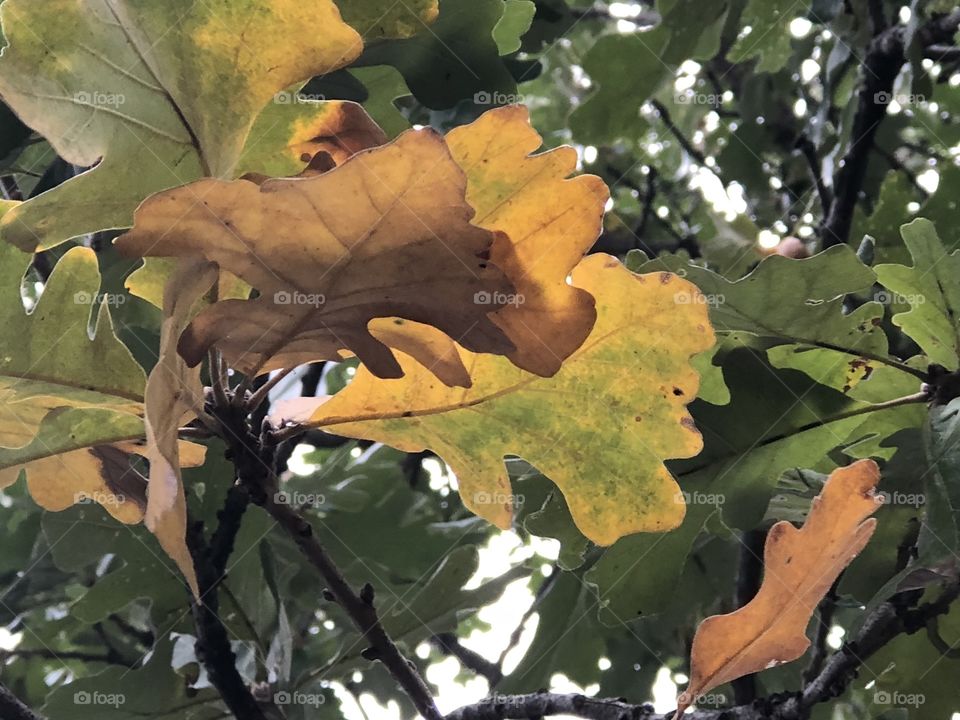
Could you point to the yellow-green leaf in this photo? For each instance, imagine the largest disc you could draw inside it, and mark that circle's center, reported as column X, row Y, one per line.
column 600, row 428
column 47, row 357
column 158, row 94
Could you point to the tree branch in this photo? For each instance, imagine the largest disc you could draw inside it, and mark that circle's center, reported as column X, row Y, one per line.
column 450, row 645
column 749, row 576
column 12, row 708
column 359, row 607
column 213, row 643
column 890, row 619
column 210, row 561
column 885, row 56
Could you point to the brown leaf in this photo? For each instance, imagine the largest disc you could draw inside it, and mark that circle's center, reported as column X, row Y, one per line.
column 387, row 233
column 172, row 397
column 799, row 568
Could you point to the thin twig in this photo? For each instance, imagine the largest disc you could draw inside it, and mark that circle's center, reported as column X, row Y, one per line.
column 263, row 392
column 218, row 377
column 749, row 576
column 450, row 645
column 818, row 652
column 359, row 607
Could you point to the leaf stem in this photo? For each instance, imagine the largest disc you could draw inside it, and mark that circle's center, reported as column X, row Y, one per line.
column 218, row 377
column 263, row 392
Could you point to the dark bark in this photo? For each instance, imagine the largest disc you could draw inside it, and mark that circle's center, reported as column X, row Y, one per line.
column 881, row 65
column 12, row 708
column 749, row 577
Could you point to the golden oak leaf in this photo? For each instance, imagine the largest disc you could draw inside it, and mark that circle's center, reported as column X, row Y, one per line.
column 799, row 567
column 600, row 428
column 387, row 233
column 548, row 222
column 102, row 474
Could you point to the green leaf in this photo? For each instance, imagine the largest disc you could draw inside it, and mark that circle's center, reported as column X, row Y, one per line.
column 455, row 60
column 769, row 37
column 889, row 213
column 80, row 536
column 567, row 639
column 732, row 246
column 932, row 290
column 48, row 360
column 834, row 348
column 153, row 691
column 942, row 443
column 384, row 84
column 515, row 21
column 157, row 95
column 631, row 68
column 553, row 520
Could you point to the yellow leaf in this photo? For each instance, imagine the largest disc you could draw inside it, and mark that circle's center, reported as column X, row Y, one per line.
column 304, row 128
column 386, row 233
column 799, row 568
column 548, row 223
column 600, row 428
column 149, row 280
column 173, row 395
column 101, row 474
